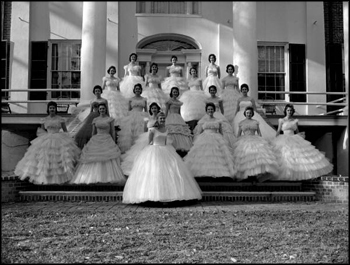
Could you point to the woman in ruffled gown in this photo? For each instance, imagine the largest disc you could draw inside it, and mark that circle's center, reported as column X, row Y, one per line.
column 52, row 156
column 210, row 155
column 117, row 103
column 142, row 141
column 230, row 93
column 132, row 76
column 193, row 100
column 298, row 158
column 227, row 129
column 212, row 73
column 252, row 154
column 158, row 173
column 100, row 158
column 153, row 91
column 84, row 133
column 175, row 124
column 175, row 78
column 267, row 131
column 133, row 124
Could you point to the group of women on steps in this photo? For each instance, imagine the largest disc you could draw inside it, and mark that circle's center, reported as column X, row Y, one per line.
column 136, row 133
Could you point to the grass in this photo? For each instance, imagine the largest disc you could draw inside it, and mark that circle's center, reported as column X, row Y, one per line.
column 161, row 235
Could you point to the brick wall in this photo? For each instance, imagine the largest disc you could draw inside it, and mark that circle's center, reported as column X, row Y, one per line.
column 7, row 5
column 333, row 16
column 10, row 187
column 333, row 189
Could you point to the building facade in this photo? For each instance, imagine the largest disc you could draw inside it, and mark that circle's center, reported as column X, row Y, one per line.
column 277, row 46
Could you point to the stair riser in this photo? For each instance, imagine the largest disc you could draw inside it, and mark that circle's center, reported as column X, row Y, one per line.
column 247, row 198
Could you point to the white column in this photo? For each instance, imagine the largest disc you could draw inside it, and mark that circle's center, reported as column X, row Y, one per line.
column 245, row 51
column 93, row 48
column 148, row 68
column 189, row 66
column 346, row 48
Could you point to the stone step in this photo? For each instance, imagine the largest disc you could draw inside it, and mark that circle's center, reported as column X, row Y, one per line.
column 204, row 185
column 206, row 196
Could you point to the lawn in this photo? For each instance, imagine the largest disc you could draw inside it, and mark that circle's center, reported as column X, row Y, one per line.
column 161, row 235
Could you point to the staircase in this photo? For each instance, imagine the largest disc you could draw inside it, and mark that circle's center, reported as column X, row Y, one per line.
column 213, row 190
column 219, row 189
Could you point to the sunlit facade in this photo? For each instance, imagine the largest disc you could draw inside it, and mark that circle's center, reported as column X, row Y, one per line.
column 277, row 46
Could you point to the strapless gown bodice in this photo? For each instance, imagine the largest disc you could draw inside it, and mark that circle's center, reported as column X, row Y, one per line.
column 212, row 71
column 231, row 82
column 175, row 106
column 195, row 85
column 249, row 127
column 211, row 126
column 102, row 124
column 289, row 127
column 53, row 125
column 133, row 69
column 112, row 84
column 138, row 104
column 244, row 104
column 159, row 138
column 154, row 81
column 175, row 71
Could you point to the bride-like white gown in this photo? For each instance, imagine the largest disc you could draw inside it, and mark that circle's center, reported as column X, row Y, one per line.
column 266, row 130
column 159, row 174
column 298, row 158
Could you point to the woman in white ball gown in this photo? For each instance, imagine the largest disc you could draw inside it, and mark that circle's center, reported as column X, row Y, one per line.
column 230, row 93
column 52, row 156
column 134, row 124
column 193, row 100
column 175, row 124
column 158, row 173
column 212, row 73
column 267, row 131
column 117, row 103
column 153, row 91
column 298, row 158
column 84, row 133
column 132, row 76
column 175, row 78
column 141, row 142
column 252, row 154
column 100, row 158
column 210, row 155
column 219, row 111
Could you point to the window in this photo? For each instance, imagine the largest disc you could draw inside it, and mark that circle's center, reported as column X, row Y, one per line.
column 5, row 55
column 64, row 67
column 189, row 8
column 271, row 71
column 281, row 67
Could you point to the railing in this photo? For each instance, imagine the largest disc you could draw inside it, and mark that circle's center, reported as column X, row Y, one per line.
column 318, row 104
column 260, row 102
column 67, row 101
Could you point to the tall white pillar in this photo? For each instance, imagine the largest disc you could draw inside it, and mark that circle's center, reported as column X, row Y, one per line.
column 245, row 50
column 93, row 48
column 346, row 48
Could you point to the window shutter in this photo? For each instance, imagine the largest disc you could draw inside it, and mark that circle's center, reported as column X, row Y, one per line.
column 334, row 76
column 297, row 73
column 38, row 69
